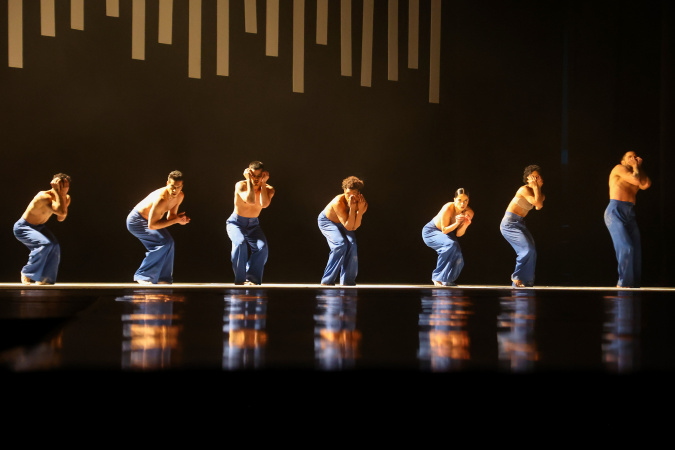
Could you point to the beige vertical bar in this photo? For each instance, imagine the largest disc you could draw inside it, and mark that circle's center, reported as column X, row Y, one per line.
column 223, row 38
column 298, row 45
column 392, row 41
column 77, row 14
column 138, row 29
column 322, row 22
column 367, row 43
column 112, row 8
column 195, row 39
column 250, row 22
column 346, row 38
column 435, row 52
column 272, row 32
column 413, row 33
column 165, row 21
column 15, row 33
column 47, row 22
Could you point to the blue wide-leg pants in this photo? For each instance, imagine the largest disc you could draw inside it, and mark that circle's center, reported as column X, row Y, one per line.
column 516, row 233
column 343, row 258
column 245, row 233
column 450, row 260
column 622, row 226
column 45, row 251
column 158, row 263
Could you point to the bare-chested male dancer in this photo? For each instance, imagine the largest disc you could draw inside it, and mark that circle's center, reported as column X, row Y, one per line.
column 337, row 222
column 625, row 180
column 250, row 197
column 45, row 252
column 147, row 222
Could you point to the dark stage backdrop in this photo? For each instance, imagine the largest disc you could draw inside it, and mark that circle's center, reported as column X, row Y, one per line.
column 568, row 85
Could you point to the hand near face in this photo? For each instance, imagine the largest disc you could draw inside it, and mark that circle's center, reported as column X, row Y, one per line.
column 264, row 177
column 183, row 219
column 60, row 185
column 638, row 161
column 247, row 174
column 460, row 218
column 353, row 201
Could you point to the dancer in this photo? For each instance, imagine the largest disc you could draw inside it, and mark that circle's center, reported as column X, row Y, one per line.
column 250, row 197
column 625, row 180
column 337, row 222
column 441, row 234
column 30, row 230
column 147, row 223
column 514, row 230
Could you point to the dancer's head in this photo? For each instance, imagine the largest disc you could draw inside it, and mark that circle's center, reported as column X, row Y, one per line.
column 174, row 183
column 533, row 170
column 461, row 199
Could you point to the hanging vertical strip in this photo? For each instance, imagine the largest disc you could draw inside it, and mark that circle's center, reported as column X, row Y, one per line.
column 195, row 39
column 165, row 21
column 112, row 8
column 138, row 30
column 413, row 32
column 250, row 22
column 322, row 22
column 435, row 52
column 272, row 31
column 47, row 21
column 392, row 41
column 15, row 33
column 298, row 45
column 77, row 14
column 346, row 38
column 223, row 38
column 367, row 43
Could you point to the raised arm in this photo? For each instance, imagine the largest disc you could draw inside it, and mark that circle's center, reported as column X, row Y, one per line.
column 246, row 190
column 61, row 200
column 346, row 215
column 361, row 208
column 533, row 194
column 636, row 176
column 266, row 192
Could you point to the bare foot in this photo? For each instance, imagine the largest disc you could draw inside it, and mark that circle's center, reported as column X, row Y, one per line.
column 438, row 283
column 518, row 283
column 25, row 280
column 164, row 282
column 144, row 282
column 43, row 283
column 249, row 283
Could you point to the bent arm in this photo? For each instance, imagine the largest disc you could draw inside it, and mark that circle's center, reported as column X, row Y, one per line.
column 465, row 223
column 536, row 198
column 636, row 177
column 60, row 206
column 156, row 220
column 447, row 217
column 266, row 194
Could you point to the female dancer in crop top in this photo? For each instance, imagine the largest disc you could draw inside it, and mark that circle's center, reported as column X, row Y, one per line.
column 441, row 234
column 514, row 230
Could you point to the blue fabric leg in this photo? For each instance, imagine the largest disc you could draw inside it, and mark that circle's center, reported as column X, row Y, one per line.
column 246, row 233
column 450, row 259
column 45, row 251
column 516, row 233
column 158, row 263
column 343, row 258
column 623, row 228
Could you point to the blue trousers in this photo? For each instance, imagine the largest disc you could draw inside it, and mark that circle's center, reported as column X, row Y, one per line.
column 245, row 233
column 45, row 252
column 450, row 260
column 516, row 233
column 622, row 226
column 158, row 263
column 343, row 258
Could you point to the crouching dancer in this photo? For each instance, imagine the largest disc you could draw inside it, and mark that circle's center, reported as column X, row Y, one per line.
column 45, row 252
column 250, row 197
column 337, row 222
column 441, row 234
column 147, row 223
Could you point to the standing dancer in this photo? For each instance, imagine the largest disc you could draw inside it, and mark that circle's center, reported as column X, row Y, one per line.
column 30, row 230
column 514, row 230
column 337, row 222
column 250, row 197
column 441, row 234
column 625, row 180
column 147, row 223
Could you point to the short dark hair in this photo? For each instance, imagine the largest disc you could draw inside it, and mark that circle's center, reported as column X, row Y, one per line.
column 352, row 183
column 176, row 175
column 461, row 191
column 528, row 171
column 255, row 165
column 62, row 176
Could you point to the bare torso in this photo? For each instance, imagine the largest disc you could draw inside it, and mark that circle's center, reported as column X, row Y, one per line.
column 448, row 215
column 161, row 199
column 249, row 210
column 40, row 209
column 339, row 203
column 619, row 189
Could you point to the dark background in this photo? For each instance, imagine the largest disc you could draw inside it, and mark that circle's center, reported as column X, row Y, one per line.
column 569, row 85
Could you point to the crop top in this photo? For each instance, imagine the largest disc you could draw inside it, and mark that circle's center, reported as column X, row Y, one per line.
column 522, row 202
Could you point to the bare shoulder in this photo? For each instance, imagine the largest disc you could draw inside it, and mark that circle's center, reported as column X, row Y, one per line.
column 240, row 186
column 469, row 212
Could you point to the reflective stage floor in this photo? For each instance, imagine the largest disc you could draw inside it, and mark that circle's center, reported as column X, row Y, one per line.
column 306, row 345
